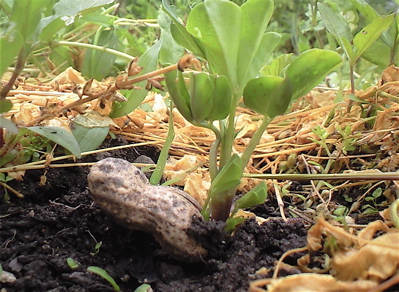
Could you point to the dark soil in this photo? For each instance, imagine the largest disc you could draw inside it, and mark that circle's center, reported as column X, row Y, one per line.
column 59, row 221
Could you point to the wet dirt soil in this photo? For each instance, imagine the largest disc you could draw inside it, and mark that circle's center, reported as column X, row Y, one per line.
column 59, row 220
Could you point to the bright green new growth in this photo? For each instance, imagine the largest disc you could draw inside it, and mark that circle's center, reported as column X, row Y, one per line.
column 234, row 43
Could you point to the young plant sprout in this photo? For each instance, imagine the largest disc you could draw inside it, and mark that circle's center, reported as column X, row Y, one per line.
column 234, row 45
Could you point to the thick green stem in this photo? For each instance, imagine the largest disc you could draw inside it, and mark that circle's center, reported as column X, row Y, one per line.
column 227, row 139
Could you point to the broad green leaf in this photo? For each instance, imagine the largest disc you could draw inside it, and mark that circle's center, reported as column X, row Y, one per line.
column 90, row 130
column 334, row 22
column 60, row 136
column 365, row 38
column 268, row 95
column 98, row 64
column 89, row 138
column 310, row 68
column 201, row 95
column 217, row 24
column 269, row 42
column 148, row 61
column 254, row 197
column 255, row 47
column 222, row 96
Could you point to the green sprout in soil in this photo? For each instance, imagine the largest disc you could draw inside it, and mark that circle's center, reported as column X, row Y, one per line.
column 103, row 274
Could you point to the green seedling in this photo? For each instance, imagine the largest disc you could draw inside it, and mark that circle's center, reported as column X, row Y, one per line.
column 234, row 43
column 373, row 207
column 72, row 263
column 103, row 274
column 355, row 46
column 143, row 288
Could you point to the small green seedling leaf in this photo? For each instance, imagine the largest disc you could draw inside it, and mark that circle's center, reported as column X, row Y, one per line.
column 103, row 274
column 72, row 263
column 143, row 288
column 229, row 177
column 254, row 197
column 148, row 61
column 233, row 222
column 60, row 136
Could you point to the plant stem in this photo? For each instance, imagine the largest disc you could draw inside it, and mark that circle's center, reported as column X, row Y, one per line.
column 94, row 47
column 246, row 156
column 227, row 138
column 375, row 176
column 18, row 69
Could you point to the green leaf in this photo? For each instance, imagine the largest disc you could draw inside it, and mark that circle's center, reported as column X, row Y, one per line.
column 180, row 33
column 65, row 13
column 5, row 105
column 72, row 263
column 171, row 51
column 222, row 96
column 233, row 222
column 179, row 94
column 89, row 138
column 217, row 24
column 334, row 22
column 255, row 46
column 268, row 95
column 98, row 64
column 310, row 68
column 229, row 177
column 24, row 20
column 277, row 66
column 378, row 53
column 254, row 197
column 143, row 288
column 148, row 61
column 60, row 136
column 365, row 9
column 368, row 35
column 201, row 95
column 103, row 274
